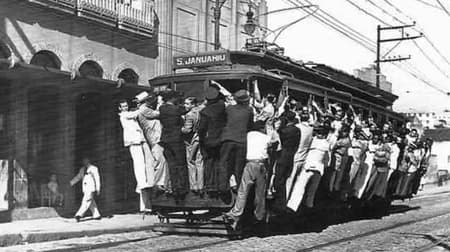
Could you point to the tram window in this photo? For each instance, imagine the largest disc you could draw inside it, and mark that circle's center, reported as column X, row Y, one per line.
column 302, row 98
column 268, row 87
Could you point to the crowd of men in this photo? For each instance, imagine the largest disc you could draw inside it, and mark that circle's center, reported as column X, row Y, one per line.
column 286, row 151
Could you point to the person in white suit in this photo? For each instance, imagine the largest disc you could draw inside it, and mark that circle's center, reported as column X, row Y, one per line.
column 91, row 188
column 133, row 138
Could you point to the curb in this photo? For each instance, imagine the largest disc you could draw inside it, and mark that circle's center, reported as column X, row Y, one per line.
column 26, row 238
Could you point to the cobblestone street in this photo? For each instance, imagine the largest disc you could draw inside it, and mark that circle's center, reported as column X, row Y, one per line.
column 410, row 225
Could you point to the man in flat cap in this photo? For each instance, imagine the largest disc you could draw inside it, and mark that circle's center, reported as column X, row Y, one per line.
column 211, row 123
column 234, row 138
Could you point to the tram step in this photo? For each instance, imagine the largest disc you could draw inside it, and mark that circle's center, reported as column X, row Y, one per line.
column 194, row 229
column 202, row 216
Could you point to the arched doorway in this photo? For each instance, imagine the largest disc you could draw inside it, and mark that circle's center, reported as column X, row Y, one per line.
column 129, row 76
column 91, row 68
column 46, row 59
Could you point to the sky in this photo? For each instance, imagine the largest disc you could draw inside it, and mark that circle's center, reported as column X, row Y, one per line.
column 310, row 40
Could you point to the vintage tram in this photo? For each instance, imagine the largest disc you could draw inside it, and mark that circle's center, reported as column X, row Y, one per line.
column 273, row 73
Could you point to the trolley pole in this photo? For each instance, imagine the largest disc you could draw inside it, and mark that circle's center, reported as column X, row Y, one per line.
column 378, row 70
column 217, row 15
column 381, row 59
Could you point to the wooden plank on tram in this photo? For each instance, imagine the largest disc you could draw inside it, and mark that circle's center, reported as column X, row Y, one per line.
column 191, row 201
column 216, row 229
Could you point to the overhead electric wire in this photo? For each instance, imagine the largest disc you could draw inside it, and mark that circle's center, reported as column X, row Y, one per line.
column 428, row 4
column 386, row 12
column 283, row 28
column 422, row 51
column 431, row 60
column 368, row 13
column 421, row 30
column 443, row 7
column 421, row 78
column 343, row 25
column 399, row 10
column 328, row 21
column 337, row 28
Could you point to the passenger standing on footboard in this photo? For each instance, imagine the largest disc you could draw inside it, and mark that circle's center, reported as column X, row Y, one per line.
column 290, row 140
column 212, row 121
column 254, row 174
column 190, row 134
column 170, row 115
column 239, row 121
column 152, row 132
column 311, row 171
column 134, row 139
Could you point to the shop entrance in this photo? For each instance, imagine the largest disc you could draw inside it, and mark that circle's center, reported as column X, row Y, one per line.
column 44, row 146
column 89, row 134
column 5, row 170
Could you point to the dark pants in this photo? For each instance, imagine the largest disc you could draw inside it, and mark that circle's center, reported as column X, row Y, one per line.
column 283, row 170
column 378, row 182
column 233, row 160
column 311, row 188
column 416, row 181
column 175, row 154
column 213, row 170
column 339, row 163
column 254, row 174
column 404, row 184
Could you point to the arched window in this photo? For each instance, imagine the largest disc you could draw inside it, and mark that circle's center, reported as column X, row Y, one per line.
column 46, row 59
column 129, row 76
column 91, row 68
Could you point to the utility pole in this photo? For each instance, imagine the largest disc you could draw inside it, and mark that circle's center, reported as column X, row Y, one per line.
column 217, row 13
column 404, row 36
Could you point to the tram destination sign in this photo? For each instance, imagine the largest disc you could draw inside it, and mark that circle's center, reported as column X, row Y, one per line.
column 202, row 60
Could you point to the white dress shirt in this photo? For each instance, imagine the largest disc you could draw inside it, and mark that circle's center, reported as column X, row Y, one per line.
column 132, row 133
column 257, row 143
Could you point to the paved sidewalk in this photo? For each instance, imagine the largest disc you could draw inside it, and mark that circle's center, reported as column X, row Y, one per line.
column 430, row 189
column 40, row 230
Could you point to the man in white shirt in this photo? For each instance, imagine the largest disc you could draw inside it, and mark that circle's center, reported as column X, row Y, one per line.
column 254, row 174
column 134, row 139
column 312, row 171
column 91, row 187
column 306, row 137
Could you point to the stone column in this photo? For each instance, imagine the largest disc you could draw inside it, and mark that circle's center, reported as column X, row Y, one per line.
column 164, row 10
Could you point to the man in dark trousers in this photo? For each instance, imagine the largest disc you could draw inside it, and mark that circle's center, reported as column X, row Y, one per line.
column 212, row 121
column 172, row 141
column 290, row 140
column 234, row 138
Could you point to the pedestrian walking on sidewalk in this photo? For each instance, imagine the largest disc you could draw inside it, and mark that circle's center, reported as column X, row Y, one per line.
column 91, row 188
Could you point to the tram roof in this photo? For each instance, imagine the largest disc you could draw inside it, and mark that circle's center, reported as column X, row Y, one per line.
column 259, row 63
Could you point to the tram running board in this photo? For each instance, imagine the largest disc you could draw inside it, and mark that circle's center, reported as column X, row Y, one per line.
column 211, row 228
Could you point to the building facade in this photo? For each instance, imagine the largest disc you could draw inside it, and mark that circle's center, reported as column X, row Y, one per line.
column 431, row 120
column 369, row 74
column 64, row 64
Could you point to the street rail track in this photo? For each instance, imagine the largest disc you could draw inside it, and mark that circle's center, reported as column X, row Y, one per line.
column 376, row 231
column 435, row 243
column 210, row 243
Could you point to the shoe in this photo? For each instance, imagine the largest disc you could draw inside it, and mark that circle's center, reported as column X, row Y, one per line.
column 147, row 211
column 77, row 218
column 230, row 220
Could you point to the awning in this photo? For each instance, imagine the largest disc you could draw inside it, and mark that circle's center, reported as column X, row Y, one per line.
column 42, row 76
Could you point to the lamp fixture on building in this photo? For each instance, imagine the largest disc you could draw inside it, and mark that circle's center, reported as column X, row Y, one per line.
column 250, row 25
